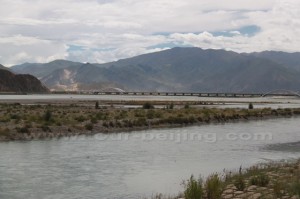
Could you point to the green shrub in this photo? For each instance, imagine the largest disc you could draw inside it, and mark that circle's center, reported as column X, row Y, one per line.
column 101, row 116
column 23, row 129
column 139, row 113
column 4, row 119
column 240, row 182
column 278, row 187
column 150, row 114
column 128, row 123
column 295, row 187
column 119, row 124
column 46, row 128
column 288, row 111
column 186, row 106
column 260, row 180
column 158, row 114
column 89, row 126
column 274, row 112
column 80, row 118
column 193, row 188
column 140, row 122
column 250, row 106
column 192, row 120
column 15, row 117
column 47, row 115
column 148, row 105
column 214, row 187
column 105, row 124
column 170, row 106
column 296, row 111
column 123, row 114
column 94, row 120
column 111, row 124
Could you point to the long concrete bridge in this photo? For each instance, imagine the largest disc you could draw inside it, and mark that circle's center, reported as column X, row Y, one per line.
column 180, row 94
column 284, row 93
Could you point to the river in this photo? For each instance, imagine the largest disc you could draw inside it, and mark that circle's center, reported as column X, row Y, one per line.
column 218, row 102
column 138, row 164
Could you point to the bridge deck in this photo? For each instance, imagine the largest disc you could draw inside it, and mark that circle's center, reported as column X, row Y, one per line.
column 196, row 94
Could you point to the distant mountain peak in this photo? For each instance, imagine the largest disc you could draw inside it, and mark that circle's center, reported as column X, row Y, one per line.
column 177, row 69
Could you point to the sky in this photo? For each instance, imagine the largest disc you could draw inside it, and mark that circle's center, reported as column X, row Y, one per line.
column 99, row 31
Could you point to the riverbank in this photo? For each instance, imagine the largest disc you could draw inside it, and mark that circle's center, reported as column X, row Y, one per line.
column 262, row 181
column 29, row 122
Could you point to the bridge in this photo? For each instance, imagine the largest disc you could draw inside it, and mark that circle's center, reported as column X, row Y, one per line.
column 282, row 92
column 275, row 93
column 179, row 94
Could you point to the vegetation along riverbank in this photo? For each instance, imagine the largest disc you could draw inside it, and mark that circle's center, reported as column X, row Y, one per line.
column 27, row 122
column 263, row 181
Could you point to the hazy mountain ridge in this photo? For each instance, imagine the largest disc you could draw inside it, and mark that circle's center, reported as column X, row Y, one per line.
column 177, row 69
column 41, row 70
column 288, row 60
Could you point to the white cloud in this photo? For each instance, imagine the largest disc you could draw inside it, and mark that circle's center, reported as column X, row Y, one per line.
column 19, row 49
column 106, row 30
column 92, row 56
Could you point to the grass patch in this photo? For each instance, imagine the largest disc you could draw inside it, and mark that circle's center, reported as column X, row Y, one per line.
column 261, row 180
column 193, row 188
column 214, row 186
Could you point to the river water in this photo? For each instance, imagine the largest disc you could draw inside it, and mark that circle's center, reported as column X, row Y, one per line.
column 70, row 97
column 218, row 102
column 138, row 164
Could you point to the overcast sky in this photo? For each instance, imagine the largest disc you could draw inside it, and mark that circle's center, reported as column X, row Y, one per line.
column 108, row 30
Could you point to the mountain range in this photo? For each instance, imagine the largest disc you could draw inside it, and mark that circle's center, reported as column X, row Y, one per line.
column 176, row 69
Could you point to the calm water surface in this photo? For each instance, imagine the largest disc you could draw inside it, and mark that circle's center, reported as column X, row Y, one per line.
column 292, row 100
column 138, row 164
column 259, row 102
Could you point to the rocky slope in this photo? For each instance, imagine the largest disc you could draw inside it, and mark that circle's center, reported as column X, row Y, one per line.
column 10, row 82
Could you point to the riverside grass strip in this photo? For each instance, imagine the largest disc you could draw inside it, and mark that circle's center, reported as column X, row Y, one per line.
column 262, row 181
column 27, row 122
